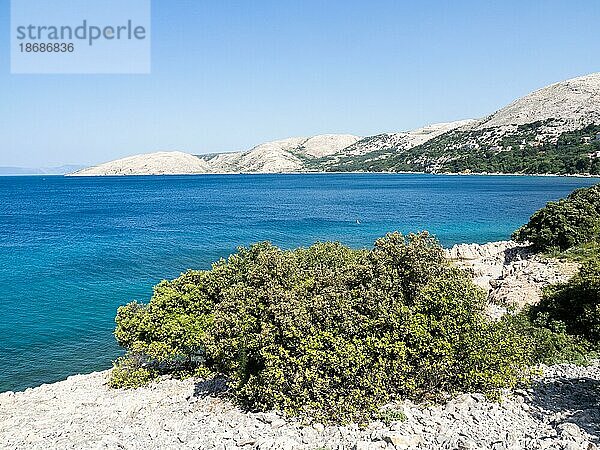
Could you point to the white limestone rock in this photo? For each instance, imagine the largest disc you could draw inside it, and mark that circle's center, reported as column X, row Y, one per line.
column 509, row 272
column 402, row 141
column 576, row 101
column 284, row 155
column 82, row 412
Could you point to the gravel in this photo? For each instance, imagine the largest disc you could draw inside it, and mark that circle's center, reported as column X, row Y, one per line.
column 561, row 411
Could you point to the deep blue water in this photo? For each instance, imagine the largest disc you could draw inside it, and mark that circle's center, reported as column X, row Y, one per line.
column 73, row 249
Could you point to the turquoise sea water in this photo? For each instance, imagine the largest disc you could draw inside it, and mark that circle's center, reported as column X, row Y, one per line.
column 73, row 249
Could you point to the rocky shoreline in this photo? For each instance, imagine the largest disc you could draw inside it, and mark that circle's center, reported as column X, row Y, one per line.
column 559, row 412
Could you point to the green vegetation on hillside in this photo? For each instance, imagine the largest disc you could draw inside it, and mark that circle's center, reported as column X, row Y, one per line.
column 524, row 150
column 574, row 307
column 569, row 229
column 581, row 253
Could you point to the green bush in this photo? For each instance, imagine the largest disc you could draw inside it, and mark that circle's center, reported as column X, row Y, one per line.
column 551, row 343
column 574, row 307
column 170, row 330
column 129, row 372
column 563, row 224
column 389, row 415
column 328, row 332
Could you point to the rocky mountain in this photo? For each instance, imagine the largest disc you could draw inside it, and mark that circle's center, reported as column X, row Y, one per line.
column 575, row 102
column 402, row 141
column 287, row 155
column 555, row 129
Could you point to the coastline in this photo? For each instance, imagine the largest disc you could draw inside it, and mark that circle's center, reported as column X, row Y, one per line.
column 140, row 200
column 82, row 411
column 502, row 268
column 493, row 174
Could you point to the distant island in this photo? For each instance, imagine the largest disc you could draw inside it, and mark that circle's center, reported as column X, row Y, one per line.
column 60, row 170
column 554, row 130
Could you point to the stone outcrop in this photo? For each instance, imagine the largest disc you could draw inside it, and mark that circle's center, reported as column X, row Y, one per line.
column 510, row 273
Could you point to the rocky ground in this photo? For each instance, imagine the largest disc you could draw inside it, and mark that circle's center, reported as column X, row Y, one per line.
column 561, row 411
column 510, row 273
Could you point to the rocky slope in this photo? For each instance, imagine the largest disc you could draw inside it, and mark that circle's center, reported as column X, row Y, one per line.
column 558, row 412
column 401, row 141
column 159, row 163
column 575, row 101
column 287, row 155
column 555, row 129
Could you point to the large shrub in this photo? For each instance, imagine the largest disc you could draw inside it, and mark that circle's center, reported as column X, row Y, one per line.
column 563, row 224
column 327, row 331
column 574, row 306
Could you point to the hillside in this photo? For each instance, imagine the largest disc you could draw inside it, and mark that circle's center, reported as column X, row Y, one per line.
column 159, row 163
column 575, row 101
column 287, row 155
column 555, row 129
column 552, row 130
column 393, row 142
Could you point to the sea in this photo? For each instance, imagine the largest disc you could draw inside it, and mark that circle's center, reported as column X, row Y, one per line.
column 73, row 249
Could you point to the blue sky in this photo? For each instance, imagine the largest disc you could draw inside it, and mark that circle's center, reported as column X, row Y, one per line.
column 227, row 75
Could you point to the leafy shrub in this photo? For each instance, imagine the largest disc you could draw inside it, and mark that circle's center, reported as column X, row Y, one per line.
column 329, row 332
column 170, row 330
column 574, row 307
column 128, row 372
column 563, row 224
column 551, row 343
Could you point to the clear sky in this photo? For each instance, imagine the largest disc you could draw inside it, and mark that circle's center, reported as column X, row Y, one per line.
column 227, row 75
